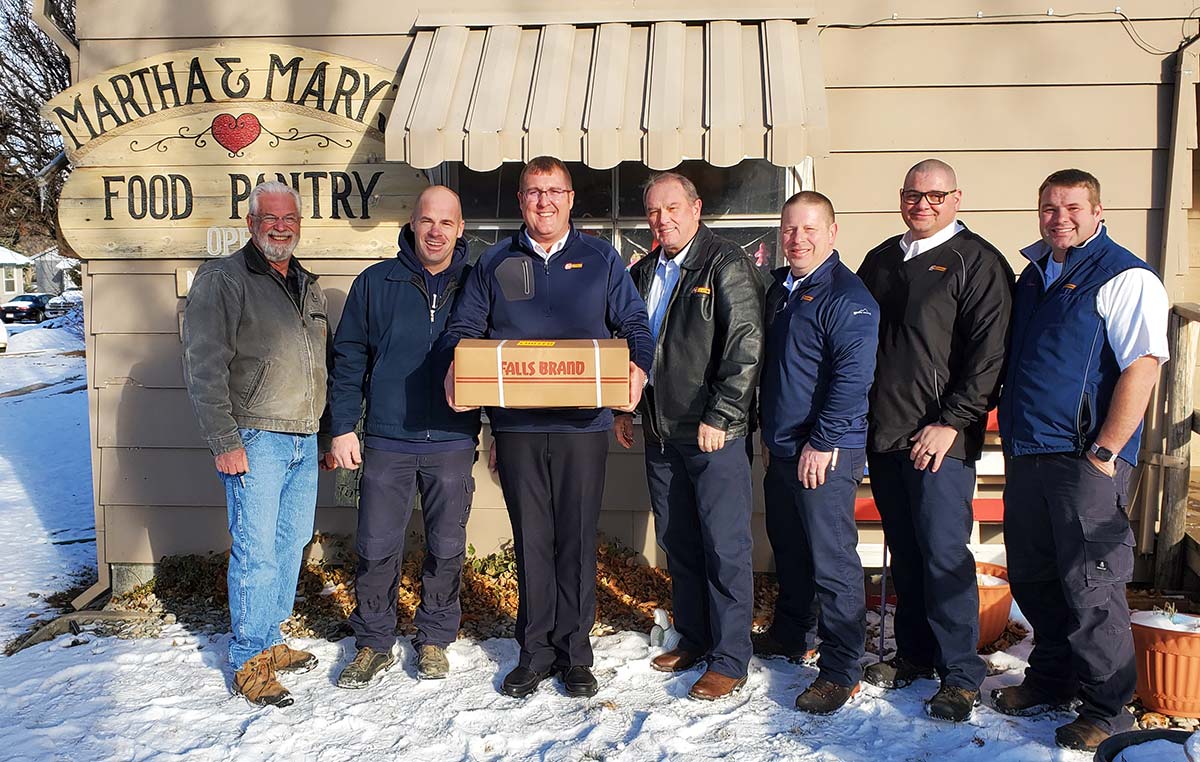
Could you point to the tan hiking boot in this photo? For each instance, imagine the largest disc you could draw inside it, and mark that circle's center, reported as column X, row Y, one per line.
column 256, row 682
column 366, row 665
column 432, row 663
column 288, row 659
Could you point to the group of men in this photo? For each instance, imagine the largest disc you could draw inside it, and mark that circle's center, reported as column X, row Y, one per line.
column 890, row 370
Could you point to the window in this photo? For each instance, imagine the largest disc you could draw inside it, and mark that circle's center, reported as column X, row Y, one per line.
column 10, row 279
column 741, row 203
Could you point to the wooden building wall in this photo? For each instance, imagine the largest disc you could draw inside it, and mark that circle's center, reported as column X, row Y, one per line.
column 1004, row 103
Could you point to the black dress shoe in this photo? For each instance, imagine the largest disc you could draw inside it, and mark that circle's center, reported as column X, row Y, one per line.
column 578, row 681
column 521, row 682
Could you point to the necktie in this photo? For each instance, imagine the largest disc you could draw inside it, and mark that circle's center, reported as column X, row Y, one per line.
column 669, row 276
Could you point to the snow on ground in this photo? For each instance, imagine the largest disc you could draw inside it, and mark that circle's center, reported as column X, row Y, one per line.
column 45, row 475
column 91, row 698
column 36, row 356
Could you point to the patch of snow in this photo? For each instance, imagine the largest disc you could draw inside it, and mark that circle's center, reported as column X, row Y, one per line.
column 1162, row 621
column 168, row 698
column 1152, row 751
column 988, row 580
column 71, row 322
column 45, row 488
column 44, row 337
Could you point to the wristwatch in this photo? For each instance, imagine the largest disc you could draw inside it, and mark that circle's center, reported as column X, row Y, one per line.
column 1103, row 454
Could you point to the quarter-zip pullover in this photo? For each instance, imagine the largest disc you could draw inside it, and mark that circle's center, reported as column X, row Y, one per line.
column 819, row 361
column 943, row 333
column 580, row 292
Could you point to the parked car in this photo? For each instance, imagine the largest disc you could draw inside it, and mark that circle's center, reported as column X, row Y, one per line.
column 3, row 338
column 64, row 303
column 25, row 307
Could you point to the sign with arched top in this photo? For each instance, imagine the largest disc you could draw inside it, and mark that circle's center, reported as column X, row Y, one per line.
column 167, row 149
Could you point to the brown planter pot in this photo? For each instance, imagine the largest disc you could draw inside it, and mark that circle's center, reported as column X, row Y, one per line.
column 1168, row 670
column 995, row 604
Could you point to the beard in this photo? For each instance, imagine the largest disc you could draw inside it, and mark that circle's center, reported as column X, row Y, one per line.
column 276, row 252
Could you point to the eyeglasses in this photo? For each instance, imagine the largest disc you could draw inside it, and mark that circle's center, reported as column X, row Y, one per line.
column 553, row 194
column 934, row 197
column 270, row 219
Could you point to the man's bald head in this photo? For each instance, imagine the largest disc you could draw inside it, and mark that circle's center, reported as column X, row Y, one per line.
column 935, row 167
column 437, row 224
column 930, row 198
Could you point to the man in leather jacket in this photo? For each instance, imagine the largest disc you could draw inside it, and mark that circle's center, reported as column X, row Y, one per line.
column 705, row 302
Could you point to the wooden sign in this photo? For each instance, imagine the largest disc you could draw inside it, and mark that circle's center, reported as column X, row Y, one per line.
column 167, row 149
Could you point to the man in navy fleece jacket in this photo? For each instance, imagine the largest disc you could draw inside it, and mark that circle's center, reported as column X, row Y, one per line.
column 822, row 333
column 550, row 282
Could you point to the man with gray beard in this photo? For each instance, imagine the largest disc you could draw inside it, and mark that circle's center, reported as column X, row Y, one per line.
column 254, row 356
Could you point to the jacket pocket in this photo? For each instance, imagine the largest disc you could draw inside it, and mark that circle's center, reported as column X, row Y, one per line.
column 258, row 382
column 1084, row 416
column 515, row 278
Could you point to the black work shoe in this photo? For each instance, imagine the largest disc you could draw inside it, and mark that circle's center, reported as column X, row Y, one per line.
column 521, row 682
column 951, row 703
column 825, row 697
column 578, row 681
column 896, row 672
column 1025, row 701
column 1080, row 734
column 366, row 665
column 768, row 646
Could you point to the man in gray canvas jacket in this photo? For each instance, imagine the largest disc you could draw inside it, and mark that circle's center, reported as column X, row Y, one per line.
column 254, row 354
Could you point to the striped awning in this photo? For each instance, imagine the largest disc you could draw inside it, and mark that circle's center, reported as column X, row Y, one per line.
column 659, row 93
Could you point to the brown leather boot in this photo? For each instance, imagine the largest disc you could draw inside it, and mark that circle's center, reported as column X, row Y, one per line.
column 677, row 660
column 713, row 685
column 287, row 659
column 825, row 697
column 256, row 682
column 1080, row 734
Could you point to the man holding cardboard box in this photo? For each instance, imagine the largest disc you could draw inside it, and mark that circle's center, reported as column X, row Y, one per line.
column 546, row 283
column 706, row 316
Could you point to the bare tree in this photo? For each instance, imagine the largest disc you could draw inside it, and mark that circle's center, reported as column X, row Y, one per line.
column 32, row 70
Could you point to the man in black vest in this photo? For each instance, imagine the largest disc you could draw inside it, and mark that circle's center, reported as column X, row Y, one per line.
column 1089, row 334
column 945, row 295
column 705, row 302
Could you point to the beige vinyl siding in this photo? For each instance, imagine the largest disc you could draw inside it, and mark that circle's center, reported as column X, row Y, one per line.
column 1005, row 103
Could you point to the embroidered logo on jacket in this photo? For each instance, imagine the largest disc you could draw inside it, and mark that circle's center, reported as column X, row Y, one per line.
column 573, row 266
column 701, row 290
column 1069, row 287
column 806, row 298
column 937, row 269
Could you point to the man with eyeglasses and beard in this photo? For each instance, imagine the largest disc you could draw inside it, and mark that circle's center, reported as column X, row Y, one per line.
column 945, row 296
column 549, row 281
column 254, row 353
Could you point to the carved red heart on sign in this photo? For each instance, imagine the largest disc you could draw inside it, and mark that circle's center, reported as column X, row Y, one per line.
column 235, row 134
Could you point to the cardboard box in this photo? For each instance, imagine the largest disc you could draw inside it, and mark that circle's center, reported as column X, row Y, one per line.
column 581, row 373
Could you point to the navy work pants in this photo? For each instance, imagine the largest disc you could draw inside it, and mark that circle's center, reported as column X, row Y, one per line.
column 389, row 482
column 553, row 484
column 1070, row 553
column 815, row 540
column 927, row 519
column 701, row 503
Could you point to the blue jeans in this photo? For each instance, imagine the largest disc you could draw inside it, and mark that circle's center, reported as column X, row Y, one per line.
column 271, row 511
